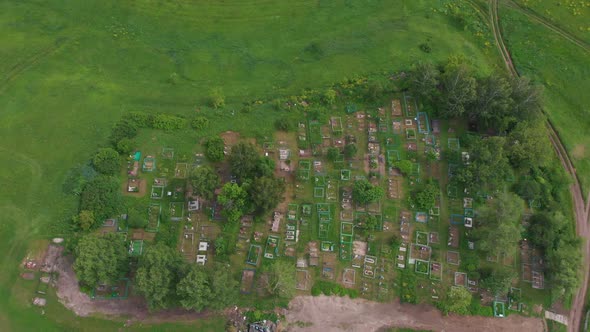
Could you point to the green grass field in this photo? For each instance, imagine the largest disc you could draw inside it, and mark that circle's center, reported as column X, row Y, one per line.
column 563, row 69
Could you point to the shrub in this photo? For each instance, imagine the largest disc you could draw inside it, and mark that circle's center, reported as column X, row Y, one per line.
column 106, row 161
column 214, row 149
column 168, row 122
column 216, row 98
column 199, row 122
column 283, row 124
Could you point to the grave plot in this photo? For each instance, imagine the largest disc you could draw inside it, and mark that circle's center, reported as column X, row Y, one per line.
column 157, row 192
column 421, row 217
column 176, row 211
column 419, row 252
column 181, row 170
column 396, row 125
column 411, row 135
column 168, row 153
column 410, row 105
column 154, row 214
column 187, row 245
column 422, row 238
column 369, row 266
column 324, row 212
column 328, row 266
column 349, row 277
column 327, row 246
column 457, row 219
column 453, row 144
column 253, row 256
column 332, row 191
column 336, row 125
column 271, row 250
column 422, row 123
column 436, row 127
column 396, row 108
column 304, row 170
column 453, row 257
column 302, row 141
column 117, row 291
column 460, row 279
column 392, row 157
column 499, row 309
column 291, row 234
column 433, row 238
column 247, row 281
column 401, row 257
column 538, row 280
column 306, row 211
column 315, row 134
column 136, row 248
column 436, row 271
column 302, row 280
column 345, row 174
column 346, row 240
column 472, row 285
column 422, row 267
column 453, row 241
column 319, row 192
column 394, row 188
column 149, row 164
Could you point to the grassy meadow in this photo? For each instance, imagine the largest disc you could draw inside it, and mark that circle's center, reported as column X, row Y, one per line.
column 68, row 70
column 563, row 69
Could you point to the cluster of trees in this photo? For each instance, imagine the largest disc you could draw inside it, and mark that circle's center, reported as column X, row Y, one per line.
column 508, row 108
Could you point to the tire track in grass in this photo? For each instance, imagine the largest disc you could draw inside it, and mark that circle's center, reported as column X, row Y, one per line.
column 28, row 63
column 581, row 208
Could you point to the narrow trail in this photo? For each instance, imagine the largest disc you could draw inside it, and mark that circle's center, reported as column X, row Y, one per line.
column 581, row 208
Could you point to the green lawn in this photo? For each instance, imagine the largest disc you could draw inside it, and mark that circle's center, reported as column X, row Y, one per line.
column 68, row 70
column 563, row 69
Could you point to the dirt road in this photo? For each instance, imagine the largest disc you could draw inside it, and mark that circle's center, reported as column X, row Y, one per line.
column 581, row 208
column 327, row 314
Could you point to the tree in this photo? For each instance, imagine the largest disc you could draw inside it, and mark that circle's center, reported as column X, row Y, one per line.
column 492, row 104
column 426, row 199
column 100, row 259
column 157, row 275
column 350, row 150
column 458, row 300
column 193, row 290
column 498, row 230
column 204, row 181
column 333, row 154
column 371, row 222
column 528, row 189
column 85, row 220
column 404, row 166
column 224, row 288
column 215, row 149
column 281, row 280
column 266, row 193
column 329, row 96
column 528, row 145
column 283, row 124
column 125, row 145
column 101, row 196
column 498, row 280
column 106, row 161
column 459, row 90
column 424, row 80
column 123, row 129
column 221, row 246
column 488, row 166
column 244, row 160
column 545, row 230
column 364, row 192
column 526, row 98
column 216, row 98
column 136, row 219
column 234, row 199
column 563, row 267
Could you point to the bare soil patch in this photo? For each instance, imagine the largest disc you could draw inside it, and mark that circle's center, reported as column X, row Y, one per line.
column 328, row 314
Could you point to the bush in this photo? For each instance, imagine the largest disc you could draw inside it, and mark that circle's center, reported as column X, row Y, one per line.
column 283, row 124
column 123, row 129
column 216, row 98
column 332, row 288
column 125, row 146
column 214, row 149
column 425, row 47
column 168, row 122
column 106, row 161
column 200, row 123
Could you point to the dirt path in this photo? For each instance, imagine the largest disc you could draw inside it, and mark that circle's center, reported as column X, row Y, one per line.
column 581, row 208
column 327, row 314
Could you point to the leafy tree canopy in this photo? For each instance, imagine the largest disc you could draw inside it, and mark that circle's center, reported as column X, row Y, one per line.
column 101, row 196
column 100, row 259
column 204, row 181
column 234, row 199
column 499, row 229
column 364, row 192
column 281, row 281
column 193, row 290
column 157, row 275
column 266, row 193
column 215, row 149
column 107, row 161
